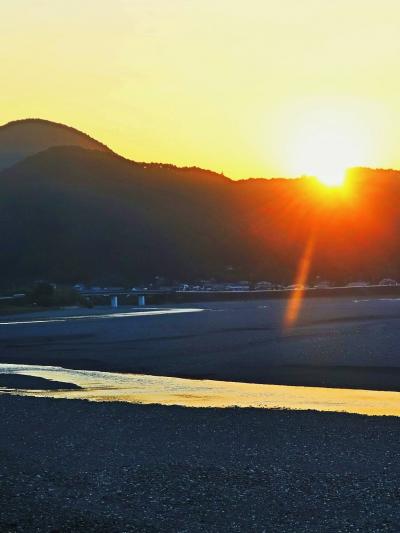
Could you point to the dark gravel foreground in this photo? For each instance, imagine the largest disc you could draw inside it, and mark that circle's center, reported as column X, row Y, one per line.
column 70, row 466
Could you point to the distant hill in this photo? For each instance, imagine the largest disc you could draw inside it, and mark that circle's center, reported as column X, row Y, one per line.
column 74, row 214
column 70, row 214
column 22, row 138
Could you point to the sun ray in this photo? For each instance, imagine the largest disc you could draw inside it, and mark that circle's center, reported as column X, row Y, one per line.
column 303, row 270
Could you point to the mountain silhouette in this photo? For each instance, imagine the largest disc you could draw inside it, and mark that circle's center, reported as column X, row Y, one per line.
column 22, row 138
column 72, row 214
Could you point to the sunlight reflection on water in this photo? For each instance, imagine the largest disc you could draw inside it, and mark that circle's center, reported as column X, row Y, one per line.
column 135, row 313
column 135, row 388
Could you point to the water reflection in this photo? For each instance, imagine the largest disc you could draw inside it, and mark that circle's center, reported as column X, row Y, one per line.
column 147, row 312
column 134, row 388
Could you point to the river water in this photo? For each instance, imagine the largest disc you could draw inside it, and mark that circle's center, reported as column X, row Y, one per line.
column 143, row 389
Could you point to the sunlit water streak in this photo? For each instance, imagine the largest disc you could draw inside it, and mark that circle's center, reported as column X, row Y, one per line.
column 134, row 388
column 147, row 312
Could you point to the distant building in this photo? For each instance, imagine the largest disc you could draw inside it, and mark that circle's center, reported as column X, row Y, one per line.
column 388, row 282
column 213, row 286
column 79, row 287
column 264, row 285
column 358, row 284
column 239, row 286
column 322, row 285
column 95, row 289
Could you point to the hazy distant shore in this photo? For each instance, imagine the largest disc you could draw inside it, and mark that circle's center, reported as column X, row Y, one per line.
column 79, row 466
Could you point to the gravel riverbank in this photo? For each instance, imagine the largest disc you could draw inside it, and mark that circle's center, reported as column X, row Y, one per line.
column 71, row 466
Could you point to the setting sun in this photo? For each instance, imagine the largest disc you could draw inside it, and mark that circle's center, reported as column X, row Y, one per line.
column 326, row 140
column 332, row 180
column 326, row 153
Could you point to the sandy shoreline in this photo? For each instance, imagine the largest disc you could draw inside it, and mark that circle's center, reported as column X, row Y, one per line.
column 79, row 466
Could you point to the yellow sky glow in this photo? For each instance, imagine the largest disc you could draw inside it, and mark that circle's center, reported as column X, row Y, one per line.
column 257, row 88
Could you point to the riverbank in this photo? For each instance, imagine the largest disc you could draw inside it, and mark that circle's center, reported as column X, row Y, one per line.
column 342, row 343
column 79, row 466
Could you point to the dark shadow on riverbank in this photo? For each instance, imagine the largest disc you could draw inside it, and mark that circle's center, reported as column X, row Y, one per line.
column 19, row 381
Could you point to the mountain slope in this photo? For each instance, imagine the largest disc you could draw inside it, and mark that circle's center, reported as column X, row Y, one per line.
column 22, row 138
column 72, row 210
column 70, row 214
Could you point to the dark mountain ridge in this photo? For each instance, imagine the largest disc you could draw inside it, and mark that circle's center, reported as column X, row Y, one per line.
column 72, row 214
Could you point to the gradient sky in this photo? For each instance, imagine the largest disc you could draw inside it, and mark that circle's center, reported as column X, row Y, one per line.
column 251, row 88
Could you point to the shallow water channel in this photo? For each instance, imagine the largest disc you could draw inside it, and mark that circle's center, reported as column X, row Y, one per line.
column 135, row 388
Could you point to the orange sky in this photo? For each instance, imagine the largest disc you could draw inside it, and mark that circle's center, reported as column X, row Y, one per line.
column 256, row 88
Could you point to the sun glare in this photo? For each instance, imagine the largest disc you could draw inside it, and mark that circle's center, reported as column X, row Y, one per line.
column 332, row 180
column 325, row 142
column 326, row 154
